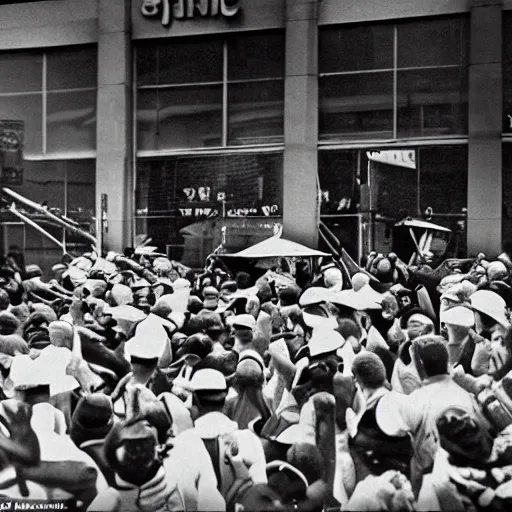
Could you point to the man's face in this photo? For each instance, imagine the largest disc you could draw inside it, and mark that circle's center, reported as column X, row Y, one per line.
column 419, row 325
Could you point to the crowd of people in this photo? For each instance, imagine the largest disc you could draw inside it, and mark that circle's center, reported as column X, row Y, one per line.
column 131, row 383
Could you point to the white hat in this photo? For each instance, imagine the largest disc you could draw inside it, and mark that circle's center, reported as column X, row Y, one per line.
column 361, row 300
column 245, row 320
column 491, row 304
column 324, row 341
column 319, row 322
column 208, row 379
column 181, row 284
column 28, row 373
column 315, row 295
column 148, row 343
column 177, row 301
column 458, row 315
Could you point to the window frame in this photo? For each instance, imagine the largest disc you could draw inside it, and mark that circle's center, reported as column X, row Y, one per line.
column 225, row 82
column 43, row 94
column 369, row 141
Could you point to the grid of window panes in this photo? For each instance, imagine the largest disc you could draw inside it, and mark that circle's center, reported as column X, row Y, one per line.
column 54, row 94
column 507, row 73
column 210, row 92
column 393, row 80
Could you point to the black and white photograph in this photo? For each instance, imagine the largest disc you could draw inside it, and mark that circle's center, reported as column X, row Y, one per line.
column 256, row 255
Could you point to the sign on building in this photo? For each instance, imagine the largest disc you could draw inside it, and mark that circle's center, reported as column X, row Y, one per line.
column 167, row 10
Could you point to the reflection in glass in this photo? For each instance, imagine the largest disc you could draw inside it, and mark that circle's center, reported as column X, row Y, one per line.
column 71, row 121
column 443, row 178
column 433, row 42
column 432, row 102
column 21, row 72
column 181, row 117
column 180, row 61
column 26, row 108
column 256, row 112
column 72, row 68
column 356, row 106
column 259, row 55
column 355, row 48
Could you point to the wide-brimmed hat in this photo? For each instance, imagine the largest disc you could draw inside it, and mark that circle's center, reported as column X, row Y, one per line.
column 315, row 295
column 458, row 315
column 492, row 305
column 324, row 341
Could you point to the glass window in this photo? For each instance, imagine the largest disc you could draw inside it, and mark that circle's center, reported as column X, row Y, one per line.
column 21, row 72
column 29, row 109
column 180, row 117
column 256, row 114
column 356, row 48
column 70, row 114
column 356, row 106
column 438, row 42
column 394, row 184
column 507, row 72
column 182, row 87
column 180, row 62
column 507, row 196
column 357, row 98
column 180, row 199
column 71, row 121
column 432, row 102
column 256, row 56
column 443, row 179
column 72, row 68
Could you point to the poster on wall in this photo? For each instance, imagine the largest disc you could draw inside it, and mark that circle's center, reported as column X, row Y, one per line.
column 12, row 139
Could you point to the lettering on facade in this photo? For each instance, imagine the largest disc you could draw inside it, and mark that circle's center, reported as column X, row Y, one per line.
column 167, row 10
column 509, row 121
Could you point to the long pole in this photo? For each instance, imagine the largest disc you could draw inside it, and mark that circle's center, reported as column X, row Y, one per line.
column 43, row 211
column 37, row 227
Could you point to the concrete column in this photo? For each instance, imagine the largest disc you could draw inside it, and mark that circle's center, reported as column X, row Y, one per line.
column 485, row 127
column 114, row 132
column 300, row 199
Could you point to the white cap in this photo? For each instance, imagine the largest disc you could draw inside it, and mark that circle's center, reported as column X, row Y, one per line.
column 245, row 320
column 491, row 304
column 208, row 379
column 315, row 295
column 458, row 315
column 324, row 341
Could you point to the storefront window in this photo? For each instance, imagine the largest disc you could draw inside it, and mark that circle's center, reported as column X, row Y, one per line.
column 182, row 84
column 507, row 73
column 424, row 182
column 184, row 196
column 59, row 108
column 363, row 94
column 507, row 195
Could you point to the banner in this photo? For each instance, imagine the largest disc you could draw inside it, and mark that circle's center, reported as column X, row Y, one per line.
column 12, row 141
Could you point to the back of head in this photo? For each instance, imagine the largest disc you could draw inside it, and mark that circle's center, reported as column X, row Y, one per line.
column 369, row 370
column 9, row 324
column 243, row 280
column 4, row 300
column 61, row 334
column 430, row 355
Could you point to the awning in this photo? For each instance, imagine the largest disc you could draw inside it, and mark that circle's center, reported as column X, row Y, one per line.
column 276, row 248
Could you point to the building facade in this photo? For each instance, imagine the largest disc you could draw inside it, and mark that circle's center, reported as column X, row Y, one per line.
column 160, row 117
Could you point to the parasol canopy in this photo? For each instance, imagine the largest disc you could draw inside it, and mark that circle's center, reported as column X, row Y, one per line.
column 276, row 248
